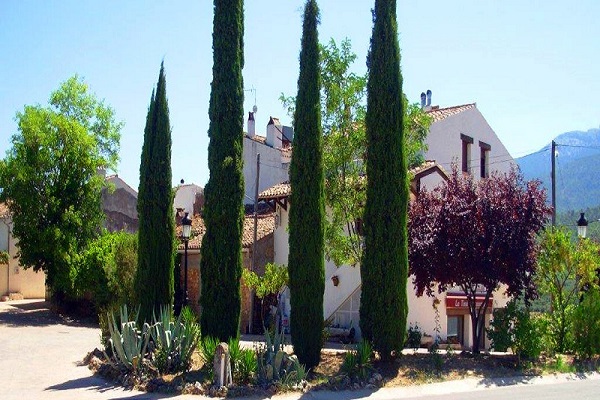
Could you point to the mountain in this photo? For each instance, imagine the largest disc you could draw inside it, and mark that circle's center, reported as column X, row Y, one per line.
column 577, row 169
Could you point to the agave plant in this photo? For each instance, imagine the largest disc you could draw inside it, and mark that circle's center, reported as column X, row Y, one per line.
column 275, row 365
column 127, row 342
column 175, row 341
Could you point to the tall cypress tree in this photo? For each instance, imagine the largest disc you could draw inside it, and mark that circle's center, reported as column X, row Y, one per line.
column 154, row 277
column 384, row 268
column 306, row 263
column 221, row 264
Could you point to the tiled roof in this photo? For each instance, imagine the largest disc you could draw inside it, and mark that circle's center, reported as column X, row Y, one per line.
column 278, row 191
column 284, row 189
column 257, row 138
column 265, row 226
column 4, row 211
column 439, row 114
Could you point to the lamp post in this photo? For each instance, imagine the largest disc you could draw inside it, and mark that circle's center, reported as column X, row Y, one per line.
column 186, row 225
column 582, row 225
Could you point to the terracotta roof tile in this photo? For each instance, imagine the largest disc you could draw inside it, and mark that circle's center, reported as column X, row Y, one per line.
column 256, row 138
column 265, row 226
column 439, row 114
column 4, row 211
column 277, row 191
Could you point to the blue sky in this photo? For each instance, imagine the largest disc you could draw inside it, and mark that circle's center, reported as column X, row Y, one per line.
column 531, row 66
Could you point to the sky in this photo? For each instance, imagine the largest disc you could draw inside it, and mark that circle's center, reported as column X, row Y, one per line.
column 531, row 66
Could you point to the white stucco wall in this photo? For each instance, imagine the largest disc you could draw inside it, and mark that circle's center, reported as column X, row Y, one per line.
column 14, row 278
column 273, row 168
column 186, row 196
column 445, row 144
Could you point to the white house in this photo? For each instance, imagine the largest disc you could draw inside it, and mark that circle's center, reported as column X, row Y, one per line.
column 459, row 135
column 15, row 281
column 275, row 155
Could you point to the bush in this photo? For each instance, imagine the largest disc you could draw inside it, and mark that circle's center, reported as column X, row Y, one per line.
column 243, row 362
column 586, row 325
column 413, row 338
column 516, row 328
column 104, row 271
column 357, row 363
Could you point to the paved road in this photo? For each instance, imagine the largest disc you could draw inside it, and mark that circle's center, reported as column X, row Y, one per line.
column 40, row 358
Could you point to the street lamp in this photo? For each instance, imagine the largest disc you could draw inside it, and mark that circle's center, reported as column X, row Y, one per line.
column 582, row 225
column 186, row 230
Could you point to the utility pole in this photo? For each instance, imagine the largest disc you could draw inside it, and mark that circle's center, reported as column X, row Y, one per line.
column 553, row 179
column 253, row 266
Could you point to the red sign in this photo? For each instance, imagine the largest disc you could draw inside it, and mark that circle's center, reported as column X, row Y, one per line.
column 462, row 302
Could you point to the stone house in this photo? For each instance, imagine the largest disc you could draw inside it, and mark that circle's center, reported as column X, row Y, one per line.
column 264, row 255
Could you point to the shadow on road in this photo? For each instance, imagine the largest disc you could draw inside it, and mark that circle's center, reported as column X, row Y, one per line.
column 90, row 382
column 36, row 313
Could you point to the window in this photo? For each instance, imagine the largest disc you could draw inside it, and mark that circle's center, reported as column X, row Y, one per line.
column 485, row 159
column 456, row 329
column 467, row 141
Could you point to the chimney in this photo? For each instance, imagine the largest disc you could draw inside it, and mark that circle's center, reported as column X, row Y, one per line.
column 422, row 99
column 428, row 98
column 274, row 133
column 251, row 125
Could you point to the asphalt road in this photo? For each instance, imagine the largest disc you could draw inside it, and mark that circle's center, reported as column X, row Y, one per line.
column 40, row 358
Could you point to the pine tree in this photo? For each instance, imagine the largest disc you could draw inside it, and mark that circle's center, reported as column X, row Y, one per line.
column 154, row 277
column 306, row 263
column 221, row 263
column 383, row 307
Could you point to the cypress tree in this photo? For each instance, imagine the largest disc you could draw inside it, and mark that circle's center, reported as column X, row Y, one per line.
column 154, row 277
column 383, row 306
column 221, row 263
column 306, row 263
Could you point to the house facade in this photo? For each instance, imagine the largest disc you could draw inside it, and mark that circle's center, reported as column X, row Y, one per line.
column 275, row 156
column 458, row 135
column 16, row 282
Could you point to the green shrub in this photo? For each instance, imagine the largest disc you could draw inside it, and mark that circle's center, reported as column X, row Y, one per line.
column 500, row 331
column 357, row 363
column 516, row 328
column 243, row 362
column 586, row 325
column 208, row 346
column 413, row 338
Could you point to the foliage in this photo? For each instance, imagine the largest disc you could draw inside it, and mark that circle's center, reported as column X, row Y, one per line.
column 243, row 362
column 175, row 341
column 384, row 266
column 208, row 347
column 475, row 237
column 586, row 324
column 564, row 268
column 221, row 253
column 50, row 182
column 274, row 365
column 154, row 277
column 4, row 257
column 273, row 281
column 413, row 337
column 344, row 147
column 306, row 263
column 516, row 328
column 500, row 331
column 357, row 363
column 127, row 342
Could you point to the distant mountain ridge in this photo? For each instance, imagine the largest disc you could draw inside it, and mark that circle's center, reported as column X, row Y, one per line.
column 577, row 169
